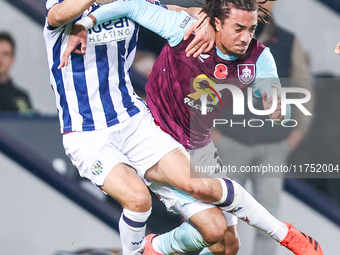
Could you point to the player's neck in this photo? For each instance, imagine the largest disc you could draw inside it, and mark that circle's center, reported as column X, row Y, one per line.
column 224, row 56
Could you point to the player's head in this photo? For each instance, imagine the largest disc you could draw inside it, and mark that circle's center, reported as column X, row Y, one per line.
column 7, row 52
column 235, row 22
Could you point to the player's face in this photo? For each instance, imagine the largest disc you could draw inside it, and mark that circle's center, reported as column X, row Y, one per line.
column 233, row 37
column 6, row 57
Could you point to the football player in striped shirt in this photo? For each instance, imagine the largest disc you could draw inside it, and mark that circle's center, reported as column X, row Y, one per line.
column 108, row 132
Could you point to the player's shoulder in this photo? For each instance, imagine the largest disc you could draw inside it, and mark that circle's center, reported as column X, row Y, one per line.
column 256, row 49
column 180, row 48
column 256, row 45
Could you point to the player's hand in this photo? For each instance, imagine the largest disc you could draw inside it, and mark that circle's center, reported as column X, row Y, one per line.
column 267, row 104
column 204, row 37
column 78, row 36
column 101, row 2
column 337, row 49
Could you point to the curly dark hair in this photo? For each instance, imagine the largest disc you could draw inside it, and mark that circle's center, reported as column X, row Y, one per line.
column 221, row 8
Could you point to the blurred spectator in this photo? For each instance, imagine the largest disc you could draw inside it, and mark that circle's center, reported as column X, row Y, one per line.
column 246, row 146
column 12, row 99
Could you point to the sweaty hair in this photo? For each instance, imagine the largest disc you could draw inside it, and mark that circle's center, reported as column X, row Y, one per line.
column 4, row 36
column 221, row 8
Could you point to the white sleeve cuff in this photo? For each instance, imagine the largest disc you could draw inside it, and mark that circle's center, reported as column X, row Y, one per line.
column 86, row 22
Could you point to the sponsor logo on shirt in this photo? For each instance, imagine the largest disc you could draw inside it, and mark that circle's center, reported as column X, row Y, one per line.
column 205, row 86
column 192, row 104
column 203, row 56
column 185, row 21
column 114, row 30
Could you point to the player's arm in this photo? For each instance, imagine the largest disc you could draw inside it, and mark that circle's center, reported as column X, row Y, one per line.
column 300, row 72
column 66, row 11
column 104, row 1
column 204, row 33
column 267, row 102
column 154, row 18
column 168, row 24
column 193, row 11
column 175, row 8
column 266, row 82
column 337, row 49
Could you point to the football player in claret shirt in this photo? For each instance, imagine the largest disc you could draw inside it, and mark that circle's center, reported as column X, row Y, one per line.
column 174, row 96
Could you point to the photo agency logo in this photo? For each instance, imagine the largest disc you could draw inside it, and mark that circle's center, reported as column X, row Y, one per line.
column 210, row 95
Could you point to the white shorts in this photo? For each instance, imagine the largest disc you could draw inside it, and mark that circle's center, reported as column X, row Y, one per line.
column 137, row 142
column 181, row 203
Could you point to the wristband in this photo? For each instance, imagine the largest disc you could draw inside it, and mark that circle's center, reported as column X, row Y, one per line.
column 86, row 22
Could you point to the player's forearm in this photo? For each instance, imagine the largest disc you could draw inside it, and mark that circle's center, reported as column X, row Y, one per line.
column 295, row 138
column 196, row 12
column 337, row 49
column 114, row 10
column 175, row 8
column 193, row 11
column 66, row 11
column 163, row 22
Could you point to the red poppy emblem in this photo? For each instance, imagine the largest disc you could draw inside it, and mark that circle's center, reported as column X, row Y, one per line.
column 221, row 71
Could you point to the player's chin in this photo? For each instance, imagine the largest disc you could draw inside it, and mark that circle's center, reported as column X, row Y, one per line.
column 238, row 53
column 241, row 48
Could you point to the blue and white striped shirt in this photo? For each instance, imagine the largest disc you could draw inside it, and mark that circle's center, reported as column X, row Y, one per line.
column 94, row 91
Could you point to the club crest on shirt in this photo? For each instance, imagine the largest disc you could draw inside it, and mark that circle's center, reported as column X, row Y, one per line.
column 246, row 73
column 97, row 168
